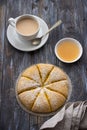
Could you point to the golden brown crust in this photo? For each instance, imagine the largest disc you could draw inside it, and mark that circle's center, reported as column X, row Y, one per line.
column 56, row 99
column 27, row 98
column 41, row 104
column 60, row 87
column 56, row 75
column 25, row 84
column 32, row 73
column 44, row 69
column 42, row 88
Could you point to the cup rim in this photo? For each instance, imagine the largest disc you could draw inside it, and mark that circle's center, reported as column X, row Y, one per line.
column 76, row 42
column 25, row 16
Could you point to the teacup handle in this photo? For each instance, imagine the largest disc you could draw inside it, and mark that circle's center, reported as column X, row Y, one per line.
column 11, row 22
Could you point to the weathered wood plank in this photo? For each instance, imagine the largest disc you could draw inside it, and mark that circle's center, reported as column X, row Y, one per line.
column 2, row 32
column 73, row 27
column 13, row 117
column 84, row 34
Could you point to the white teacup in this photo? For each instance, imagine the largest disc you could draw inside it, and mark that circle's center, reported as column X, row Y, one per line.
column 26, row 26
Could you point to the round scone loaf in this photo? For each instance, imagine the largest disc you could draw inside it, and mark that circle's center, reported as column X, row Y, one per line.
column 42, row 88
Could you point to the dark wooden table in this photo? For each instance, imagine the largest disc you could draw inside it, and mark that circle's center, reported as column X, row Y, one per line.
column 12, row 62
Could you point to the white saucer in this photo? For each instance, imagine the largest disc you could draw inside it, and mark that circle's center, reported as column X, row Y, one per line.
column 25, row 45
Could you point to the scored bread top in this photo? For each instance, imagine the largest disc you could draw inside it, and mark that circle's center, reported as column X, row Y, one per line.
column 42, row 88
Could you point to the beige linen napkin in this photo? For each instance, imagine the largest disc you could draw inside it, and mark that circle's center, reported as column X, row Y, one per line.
column 73, row 116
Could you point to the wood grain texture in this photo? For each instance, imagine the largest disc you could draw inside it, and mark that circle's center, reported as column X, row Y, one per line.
column 74, row 16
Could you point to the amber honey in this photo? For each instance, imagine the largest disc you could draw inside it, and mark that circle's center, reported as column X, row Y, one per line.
column 68, row 50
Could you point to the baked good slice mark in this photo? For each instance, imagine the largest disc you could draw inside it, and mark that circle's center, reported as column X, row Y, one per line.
column 55, row 82
column 44, row 70
column 27, row 98
column 32, row 72
column 61, row 87
column 39, row 74
column 48, row 100
column 24, row 84
column 27, row 89
column 57, row 92
column 48, row 75
column 56, row 99
column 41, row 104
column 30, row 78
column 55, row 75
column 35, row 99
